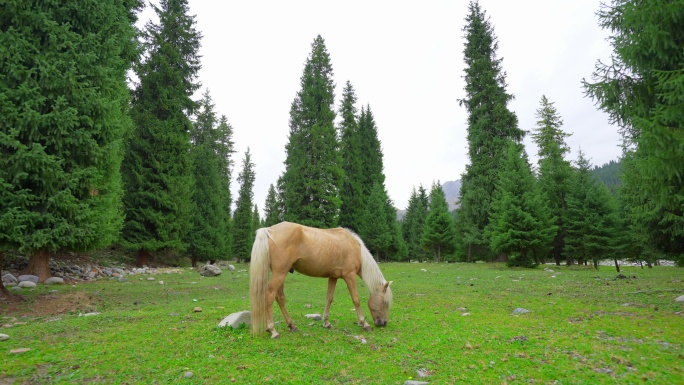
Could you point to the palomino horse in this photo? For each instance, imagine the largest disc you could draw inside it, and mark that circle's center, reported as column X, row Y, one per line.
column 332, row 253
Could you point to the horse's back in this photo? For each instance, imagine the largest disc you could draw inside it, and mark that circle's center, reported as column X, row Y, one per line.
column 314, row 252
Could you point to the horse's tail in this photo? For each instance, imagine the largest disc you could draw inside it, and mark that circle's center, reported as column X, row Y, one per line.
column 258, row 280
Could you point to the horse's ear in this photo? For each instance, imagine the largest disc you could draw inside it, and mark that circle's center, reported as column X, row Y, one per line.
column 386, row 285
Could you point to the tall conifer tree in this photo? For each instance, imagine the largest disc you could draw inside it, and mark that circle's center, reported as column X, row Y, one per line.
column 157, row 169
column 243, row 232
column 439, row 232
column 642, row 91
column 414, row 222
column 64, row 102
column 271, row 210
column 555, row 172
column 352, row 192
column 491, row 125
column 207, row 240
column 591, row 217
column 521, row 225
column 313, row 174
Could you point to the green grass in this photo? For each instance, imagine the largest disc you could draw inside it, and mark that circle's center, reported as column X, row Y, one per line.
column 584, row 327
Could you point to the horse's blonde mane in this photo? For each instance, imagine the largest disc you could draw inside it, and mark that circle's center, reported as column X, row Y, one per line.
column 370, row 272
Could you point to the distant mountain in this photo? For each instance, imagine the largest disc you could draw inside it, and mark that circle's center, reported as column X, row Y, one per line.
column 452, row 189
column 608, row 174
column 451, row 193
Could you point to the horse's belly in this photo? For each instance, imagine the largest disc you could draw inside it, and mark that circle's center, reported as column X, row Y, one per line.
column 317, row 271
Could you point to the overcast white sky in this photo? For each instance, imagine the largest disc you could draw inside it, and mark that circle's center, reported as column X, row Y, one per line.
column 405, row 59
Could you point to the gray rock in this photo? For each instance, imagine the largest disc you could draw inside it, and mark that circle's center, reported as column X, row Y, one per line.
column 236, row 319
column 27, row 277
column 520, row 310
column 9, row 278
column 150, row 278
column 54, row 280
column 188, row 375
column 4, row 337
column 209, row 270
column 422, row 372
column 315, row 317
column 411, row 382
column 680, row 298
column 27, row 284
column 231, row 267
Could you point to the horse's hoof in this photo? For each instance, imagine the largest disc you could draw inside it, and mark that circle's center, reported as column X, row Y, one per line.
column 367, row 328
column 327, row 326
column 275, row 336
column 294, row 329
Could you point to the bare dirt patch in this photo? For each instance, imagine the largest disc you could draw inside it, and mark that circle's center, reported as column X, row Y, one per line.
column 50, row 305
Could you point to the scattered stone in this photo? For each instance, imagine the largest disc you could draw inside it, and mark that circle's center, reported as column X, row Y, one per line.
column 603, row 370
column 422, row 373
column 412, row 382
column 209, row 270
column 548, row 270
column 520, row 310
column 197, row 309
column 4, row 337
column 680, row 298
column 307, row 306
column 9, row 279
column 19, row 351
column 161, row 282
column 87, row 314
column 54, row 280
column 315, row 317
column 361, row 338
column 188, row 375
column 231, row 267
column 423, row 270
column 236, row 319
column 465, row 314
column 518, row 338
column 150, row 278
column 27, row 277
column 27, row 284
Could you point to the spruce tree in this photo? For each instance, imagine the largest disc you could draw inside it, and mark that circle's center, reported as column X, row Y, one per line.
column 224, row 148
column 521, row 225
column 313, row 174
column 642, row 91
column 439, row 232
column 157, row 169
column 256, row 219
column 554, row 171
column 491, row 126
column 352, row 192
column 243, row 231
column 370, row 152
column 591, row 217
column 414, row 222
column 64, row 102
column 271, row 210
column 375, row 231
column 207, row 240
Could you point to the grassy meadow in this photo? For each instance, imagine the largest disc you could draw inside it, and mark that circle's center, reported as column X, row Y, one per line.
column 453, row 322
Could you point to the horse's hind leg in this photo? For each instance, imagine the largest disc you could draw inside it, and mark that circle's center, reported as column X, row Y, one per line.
column 351, row 285
column 273, row 287
column 280, row 297
column 331, row 292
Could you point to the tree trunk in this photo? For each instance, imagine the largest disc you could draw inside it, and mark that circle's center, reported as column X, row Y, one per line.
column 39, row 265
column 439, row 253
column 641, row 263
column 470, row 252
column 143, row 258
column 193, row 261
column 596, row 264
column 648, row 263
column 617, row 265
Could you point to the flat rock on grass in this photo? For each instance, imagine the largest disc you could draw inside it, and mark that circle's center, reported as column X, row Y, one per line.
column 680, row 298
column 4, row 337
column 236, row 319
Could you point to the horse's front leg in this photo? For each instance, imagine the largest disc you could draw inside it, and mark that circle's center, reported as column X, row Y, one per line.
column 351, row 285
column 331, row 292
column 280, row 297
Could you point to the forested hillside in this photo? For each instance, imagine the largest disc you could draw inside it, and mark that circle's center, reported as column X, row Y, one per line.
column 608, row 174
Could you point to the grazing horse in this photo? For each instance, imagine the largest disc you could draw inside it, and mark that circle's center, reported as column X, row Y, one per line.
column 330, row 253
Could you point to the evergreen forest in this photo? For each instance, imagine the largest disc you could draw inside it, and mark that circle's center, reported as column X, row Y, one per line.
column 105, row 143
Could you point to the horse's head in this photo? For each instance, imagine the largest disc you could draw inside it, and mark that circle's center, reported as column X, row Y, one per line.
column 379, row 304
